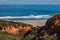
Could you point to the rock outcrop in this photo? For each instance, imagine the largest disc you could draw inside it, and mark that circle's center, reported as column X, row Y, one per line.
column 51, row 29
column 14, row 27
column 28, row 32
column 53, row 25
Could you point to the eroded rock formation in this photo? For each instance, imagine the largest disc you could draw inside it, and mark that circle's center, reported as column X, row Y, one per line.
column 51, row 29
column 53, row 25
column 14, row 27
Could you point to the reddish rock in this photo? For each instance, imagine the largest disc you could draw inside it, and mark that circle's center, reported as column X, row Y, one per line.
column 53, row 25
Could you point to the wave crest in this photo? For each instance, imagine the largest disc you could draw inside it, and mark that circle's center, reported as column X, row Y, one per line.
column 30, row 16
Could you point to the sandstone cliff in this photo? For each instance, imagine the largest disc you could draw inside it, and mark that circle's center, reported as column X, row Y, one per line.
column 21, row 31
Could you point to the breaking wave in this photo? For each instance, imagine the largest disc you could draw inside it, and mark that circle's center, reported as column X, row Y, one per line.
column 27, row 17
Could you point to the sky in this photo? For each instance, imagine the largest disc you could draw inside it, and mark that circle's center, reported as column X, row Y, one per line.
column 29, row 2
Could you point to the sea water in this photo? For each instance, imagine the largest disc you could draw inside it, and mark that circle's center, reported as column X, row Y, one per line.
column 28, row 12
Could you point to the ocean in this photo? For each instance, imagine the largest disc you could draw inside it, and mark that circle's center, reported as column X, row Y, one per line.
column 28, row 12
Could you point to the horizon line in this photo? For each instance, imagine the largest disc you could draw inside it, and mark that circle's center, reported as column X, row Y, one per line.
column 34, row 4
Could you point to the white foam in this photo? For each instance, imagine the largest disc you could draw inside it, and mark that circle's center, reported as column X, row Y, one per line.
column 30, row 16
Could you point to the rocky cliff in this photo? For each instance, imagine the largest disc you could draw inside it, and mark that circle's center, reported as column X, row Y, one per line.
column 20, row 31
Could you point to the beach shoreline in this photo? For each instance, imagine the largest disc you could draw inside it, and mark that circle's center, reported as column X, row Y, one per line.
column 34, row 23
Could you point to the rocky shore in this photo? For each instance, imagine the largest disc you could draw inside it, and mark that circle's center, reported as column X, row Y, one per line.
column 20, row 31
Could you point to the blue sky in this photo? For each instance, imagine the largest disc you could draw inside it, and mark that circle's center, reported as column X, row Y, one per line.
column 32, row 2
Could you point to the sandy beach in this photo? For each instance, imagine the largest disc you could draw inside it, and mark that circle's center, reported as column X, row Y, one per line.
column 32, row 22
column 35, row 22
